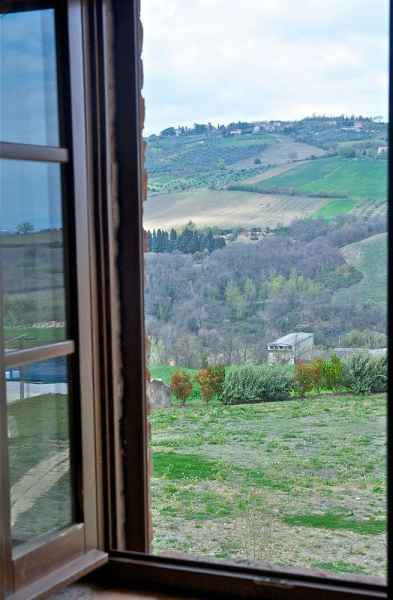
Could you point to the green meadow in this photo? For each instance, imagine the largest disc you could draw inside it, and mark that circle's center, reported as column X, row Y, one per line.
column 354, row 178
column 276, row 482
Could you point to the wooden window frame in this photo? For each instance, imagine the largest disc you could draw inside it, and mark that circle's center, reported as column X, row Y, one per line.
column 54, row 559
column 117, row 35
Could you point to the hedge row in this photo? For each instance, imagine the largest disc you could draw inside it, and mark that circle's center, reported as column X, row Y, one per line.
column 361, row 374
column 257, row 383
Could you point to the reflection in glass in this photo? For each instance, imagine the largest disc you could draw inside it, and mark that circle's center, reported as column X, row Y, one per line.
column 31, row 240
column 39, row 448
column 28, row 87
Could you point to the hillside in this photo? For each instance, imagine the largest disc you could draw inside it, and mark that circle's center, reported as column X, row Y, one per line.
column 337, row 165
column 178, row 163
column 357, row 179
column 370, row 258
column 316, row 273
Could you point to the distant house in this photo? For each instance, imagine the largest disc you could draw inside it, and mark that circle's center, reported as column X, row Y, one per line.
column 382, row 150
column 291, row 348
column 358, row 125
column 235, row 132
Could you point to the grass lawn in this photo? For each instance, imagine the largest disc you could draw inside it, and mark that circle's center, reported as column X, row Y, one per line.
column 292, row 483
column 165, row 372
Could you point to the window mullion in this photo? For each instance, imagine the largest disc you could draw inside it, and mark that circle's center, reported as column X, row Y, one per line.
column 83, row 318
column 17, row 358
column 31, row 152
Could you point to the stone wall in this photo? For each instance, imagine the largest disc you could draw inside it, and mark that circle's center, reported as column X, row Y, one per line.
column 158, row 394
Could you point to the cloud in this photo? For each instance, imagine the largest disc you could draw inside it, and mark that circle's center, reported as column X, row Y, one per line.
column 221, row 60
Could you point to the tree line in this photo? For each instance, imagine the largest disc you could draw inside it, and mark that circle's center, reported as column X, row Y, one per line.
column 189, row 241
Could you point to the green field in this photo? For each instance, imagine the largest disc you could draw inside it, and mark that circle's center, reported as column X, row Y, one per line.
column 292, row 483
column 334, row 208
column 370, row 258
column 358, row 179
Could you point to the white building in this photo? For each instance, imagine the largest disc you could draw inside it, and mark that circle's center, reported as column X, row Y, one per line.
column 291, row 348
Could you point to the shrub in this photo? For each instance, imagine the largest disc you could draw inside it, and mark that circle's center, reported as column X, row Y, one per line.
column 181, row 386
column 308, row 376
column 257, row 383
column 332, row 373
column 364, row 374
column 211, row 380
column 365, row 338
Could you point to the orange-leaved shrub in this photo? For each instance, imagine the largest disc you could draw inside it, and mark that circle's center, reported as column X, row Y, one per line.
column 308, row 376
column 211, row 380
column 181, row 385
column 319, row 374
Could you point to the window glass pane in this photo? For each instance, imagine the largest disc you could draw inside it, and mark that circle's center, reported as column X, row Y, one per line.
column 39, row 448
column 266, row 280
column 28, row 85
column 31, row 239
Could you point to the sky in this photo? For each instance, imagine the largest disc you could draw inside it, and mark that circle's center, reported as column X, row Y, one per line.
column 28, row 114
column 28, row 94
column 225, row 60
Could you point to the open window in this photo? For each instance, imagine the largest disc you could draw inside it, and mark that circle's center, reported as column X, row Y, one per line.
column 101, row 467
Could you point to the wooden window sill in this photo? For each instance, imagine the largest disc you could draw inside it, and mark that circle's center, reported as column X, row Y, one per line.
column 90, row 592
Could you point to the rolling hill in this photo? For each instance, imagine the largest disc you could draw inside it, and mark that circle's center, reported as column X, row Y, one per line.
column 370, row 257
column 211, row 177
column 178, row 163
